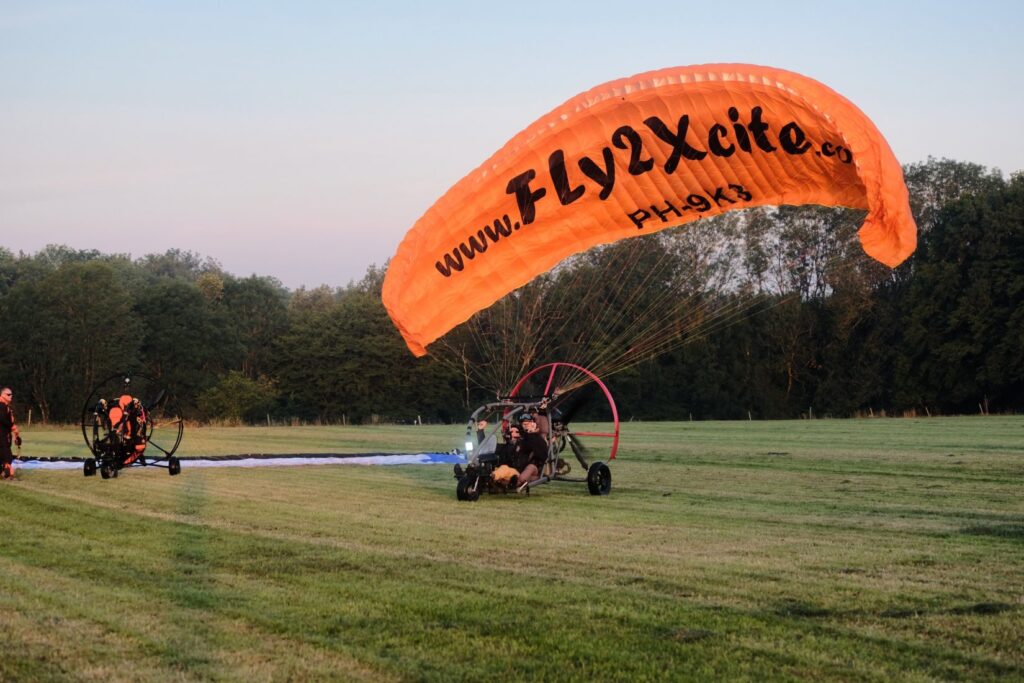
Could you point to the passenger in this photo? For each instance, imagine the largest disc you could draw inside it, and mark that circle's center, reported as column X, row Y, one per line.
column 551, row 425
column 543, row 419
column 534, row 453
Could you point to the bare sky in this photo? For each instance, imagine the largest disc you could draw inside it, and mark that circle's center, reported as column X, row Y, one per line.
column 302, row 139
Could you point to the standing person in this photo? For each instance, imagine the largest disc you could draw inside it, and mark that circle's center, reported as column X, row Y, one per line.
column 8, row 434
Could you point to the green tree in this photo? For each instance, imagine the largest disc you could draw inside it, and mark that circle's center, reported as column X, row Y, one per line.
column 68, row 331
column 175, row 264
column 963, row 332
column 237, row 398
column 257, row 308
column 187, row 342
column 934, row 183
column 345, row 359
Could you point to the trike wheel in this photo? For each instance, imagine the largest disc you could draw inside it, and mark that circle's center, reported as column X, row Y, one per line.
column 599, row 479
column 467, row 489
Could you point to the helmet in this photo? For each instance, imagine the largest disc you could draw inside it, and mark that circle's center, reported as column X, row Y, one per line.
column 527, row 417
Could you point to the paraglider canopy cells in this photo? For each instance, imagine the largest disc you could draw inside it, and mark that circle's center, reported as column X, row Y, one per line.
column 635, row 156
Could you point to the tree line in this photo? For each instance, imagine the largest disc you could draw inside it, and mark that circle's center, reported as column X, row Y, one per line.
column 820, row 335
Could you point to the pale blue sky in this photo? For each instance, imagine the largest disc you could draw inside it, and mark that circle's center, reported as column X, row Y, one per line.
column 302, row 139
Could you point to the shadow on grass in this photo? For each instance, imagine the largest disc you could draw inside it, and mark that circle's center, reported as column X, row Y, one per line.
column 1012, row 531
column 796, row 608
column 983, row 608
column 691, row 635
column 979, row 608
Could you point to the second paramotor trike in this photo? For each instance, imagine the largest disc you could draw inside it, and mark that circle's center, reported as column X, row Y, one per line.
column 130, row 420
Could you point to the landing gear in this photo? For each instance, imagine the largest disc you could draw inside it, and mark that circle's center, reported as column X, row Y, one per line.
column 467, row 488
column 599, row 479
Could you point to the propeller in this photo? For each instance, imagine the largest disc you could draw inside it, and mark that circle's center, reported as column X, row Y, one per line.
column 579, row 450
column 565, row 407
column 149, row 405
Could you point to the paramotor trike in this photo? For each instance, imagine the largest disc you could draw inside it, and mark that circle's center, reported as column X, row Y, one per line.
column 130, row 420
column 554, row 394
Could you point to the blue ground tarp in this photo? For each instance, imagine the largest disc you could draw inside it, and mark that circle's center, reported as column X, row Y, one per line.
column 271, row 460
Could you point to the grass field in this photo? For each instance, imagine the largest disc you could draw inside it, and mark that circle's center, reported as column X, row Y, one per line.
column 884, row 549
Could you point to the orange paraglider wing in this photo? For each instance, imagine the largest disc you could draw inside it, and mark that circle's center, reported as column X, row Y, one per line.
column 635, row 156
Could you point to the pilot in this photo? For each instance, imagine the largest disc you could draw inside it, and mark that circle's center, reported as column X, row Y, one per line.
column 507, row 451
column 507, row 472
